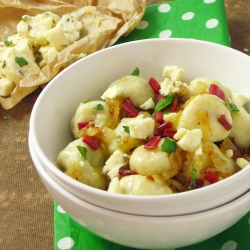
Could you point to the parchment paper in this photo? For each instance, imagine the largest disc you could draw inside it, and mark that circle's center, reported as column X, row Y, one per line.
column 118, row 18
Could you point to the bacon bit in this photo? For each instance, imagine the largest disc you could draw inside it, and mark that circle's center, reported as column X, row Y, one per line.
column 224, row 122
column 154, row 85
column 164, row 126
column 199, row 182
column 159, row 117
column 83, row 124
column 152, row 143
column 126, row 172
column 128, row 106
column 159, row 97
column 150, row 178
column 91, row 141
column 211, row 177
column 169, row 133
column 216, row 90
column 174, row 104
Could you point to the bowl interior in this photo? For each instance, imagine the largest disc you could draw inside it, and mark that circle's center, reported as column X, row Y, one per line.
column 90, row 77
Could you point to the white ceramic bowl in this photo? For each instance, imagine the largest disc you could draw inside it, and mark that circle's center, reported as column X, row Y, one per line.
column 89, row 78
column 144, row 232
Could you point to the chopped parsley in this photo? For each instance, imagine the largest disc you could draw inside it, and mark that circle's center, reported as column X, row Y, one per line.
column 193, row 179
column 99, row 107
column 3, row 64
column 83, row 151
column 233, row 107
column 7, row 43
column 135, row 72
column 25, row 18
column 21, row 61
column 6, row 116
column 126, row 129
column 168, row 145
column 163, row 103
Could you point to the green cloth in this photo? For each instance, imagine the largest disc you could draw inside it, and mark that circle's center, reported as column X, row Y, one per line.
column 197, row 19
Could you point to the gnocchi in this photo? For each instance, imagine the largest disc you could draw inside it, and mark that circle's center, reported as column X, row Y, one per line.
column 158, row 138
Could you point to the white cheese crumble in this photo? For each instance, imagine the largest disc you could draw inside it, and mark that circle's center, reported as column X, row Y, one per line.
column 189, row 140
column 149, row 104
column 168, row 87
column 114, row 163
column 173, row 72
column 141, row 127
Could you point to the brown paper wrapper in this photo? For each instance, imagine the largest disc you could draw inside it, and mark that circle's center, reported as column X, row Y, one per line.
column 118, row 18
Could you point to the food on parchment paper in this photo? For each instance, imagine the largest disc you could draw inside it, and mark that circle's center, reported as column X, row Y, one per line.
column 43, row 41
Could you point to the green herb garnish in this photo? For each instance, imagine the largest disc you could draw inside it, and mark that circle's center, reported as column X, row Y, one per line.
column 89, row 100
column 136, row 72
column 25, row 18
column 126, row 129
column 168, row 145
column 193, row 179
column 163, row 103
column 20, row 61
column 83, row 151
column 6, row 116
column 233, row 107
column 3, row 64
column 99, row 107
column 7, row 43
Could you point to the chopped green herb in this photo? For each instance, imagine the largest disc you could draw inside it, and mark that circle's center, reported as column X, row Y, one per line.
column 89, row 100
column 136, row 72
column 7, row 43
column 168, row 145
column 99, row 107
column 20, row 61
column 25, row 18
column 3, row 64
column 233, row 107
column 192, row 184
column 163, row 103
column 83, row 151
column 126, row 129
column 6, row 116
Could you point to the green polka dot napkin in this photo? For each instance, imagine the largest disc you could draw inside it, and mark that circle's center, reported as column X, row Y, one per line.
column 197, row 19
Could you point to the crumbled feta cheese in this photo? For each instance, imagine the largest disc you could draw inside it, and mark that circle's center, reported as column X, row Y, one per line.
column 149, row 104
column 114, row 163
column 242, row 163
column 141, row 127
column 189, row 140
column 174, row 73
column 168, row 87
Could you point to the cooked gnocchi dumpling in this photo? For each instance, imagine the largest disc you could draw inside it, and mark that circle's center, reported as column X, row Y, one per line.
column 160, row 138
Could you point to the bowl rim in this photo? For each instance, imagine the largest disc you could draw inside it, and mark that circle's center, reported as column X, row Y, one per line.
column 51, row 167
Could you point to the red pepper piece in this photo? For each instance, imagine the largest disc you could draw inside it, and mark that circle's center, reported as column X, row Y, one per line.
column 159, row 117
column 83, row 124
column 169, row 133
column 225, row 123
column 152, row 143
column 154, row 85
column 91, row 141
column 174, row 104
column 159, row 97
column 126, row 172
column 199, row 182
column 216, row 90
column 128, row 106
column 164, row 126
column 211, row 177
